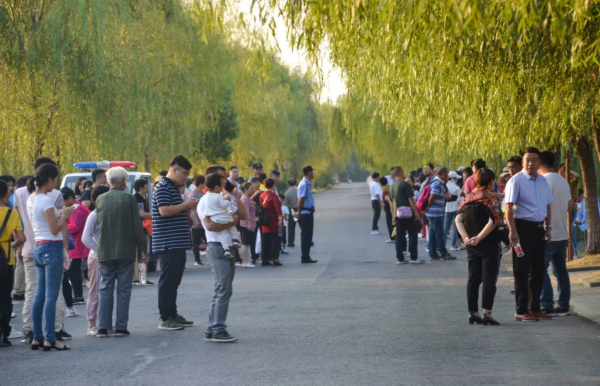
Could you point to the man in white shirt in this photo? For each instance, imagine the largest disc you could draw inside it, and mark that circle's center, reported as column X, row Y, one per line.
column 556, row 251
column 451, row 209
column 376, row 201
column 223, row 268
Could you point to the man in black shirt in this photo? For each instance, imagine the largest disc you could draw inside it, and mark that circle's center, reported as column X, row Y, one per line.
column 98, row 178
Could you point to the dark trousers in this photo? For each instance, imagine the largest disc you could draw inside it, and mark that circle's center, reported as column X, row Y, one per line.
column 74, row 275
column 270, row 246
column 6, row 306
column 529, row 269
column 388, row 218
column 483, row 269
column 403, row 226
column 198, row 238
column 307, row 224
column 172, row 265
column 376, row 214
column 67, row 290
column 291, row 231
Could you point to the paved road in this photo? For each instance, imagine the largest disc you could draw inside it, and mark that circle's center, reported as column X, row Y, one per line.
column 355, row 318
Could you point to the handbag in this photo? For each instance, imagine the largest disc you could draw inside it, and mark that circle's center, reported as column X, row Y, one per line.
column 4, row 258
column 404, row 212
column 263, row 218
column 147, row 224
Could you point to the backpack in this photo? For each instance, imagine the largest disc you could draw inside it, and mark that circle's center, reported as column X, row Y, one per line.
column 424, row 198
column 4, row 257
column 263, row 218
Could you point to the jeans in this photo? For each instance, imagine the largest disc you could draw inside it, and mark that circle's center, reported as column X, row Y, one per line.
column 436, row 236
column 172, row 265
column 574, row 216
column 388, row 218
column 49, row 265
column 224, row 271
column 529, row 268
column 556, row 254
column 448, row 222
column 483, row 269
column 30, row 290
column 307, row 223
column 404, row 225
column 122, row 271
column 376, row 214
column 6, row 306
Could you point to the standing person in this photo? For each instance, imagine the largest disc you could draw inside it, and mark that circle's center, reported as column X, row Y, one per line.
column 305, row 213
column 223, row 268
column 515, row 165
column 271, row 243
column 435, row 214
column 121, row 234
column 285, row 214
column 405, row 213
column 257, row 170
column 90, row 238
column 528, row 204
column 275, row 175
column 291, row 201
column 11, row 182
column 234, row 173
column 80, row 187
column 376, row 202
column 198, row 236
column 98, row 178
column 556, row 250
column 470, row 183
column 47, row 224
column 10, row 224
column 385, row 188
column 258, row 190
column 140, row 186
column 248, row 226
column 76, row 224
column 451, row 210
column 171, row 240
column 477, row 222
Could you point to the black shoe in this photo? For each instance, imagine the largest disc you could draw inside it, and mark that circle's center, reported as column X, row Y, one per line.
column 4, row 342
column 121, row 333
column 488, row 319
column 282, row 252
column 561, row 311
column 27, row 337
column 148, row 282
column 474, row 319
column 63, row 335
column 266, row 264
column 436, row 257
column 254, row 261
column 78, row 301
column 277, row 264
column 308, row 261
column 291, row 245
column 102, row 333
column 181, row 320
column 222, row 337
column 448, row 256
column 208, row 336
column 18, row 298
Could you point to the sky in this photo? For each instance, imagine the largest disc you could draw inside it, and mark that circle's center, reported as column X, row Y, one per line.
column 333, row 84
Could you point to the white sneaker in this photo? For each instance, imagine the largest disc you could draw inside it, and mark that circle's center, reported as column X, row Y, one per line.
column 86, row 283
column 238, row 264
column 249, row 265
column 71, row 312
column 93, row 331
column 453, row 249
column 375, row 232
column 390, row 241
column 13, row 315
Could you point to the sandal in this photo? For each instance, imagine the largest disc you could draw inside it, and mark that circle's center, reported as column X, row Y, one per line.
column 38, row 345
column 53, row 346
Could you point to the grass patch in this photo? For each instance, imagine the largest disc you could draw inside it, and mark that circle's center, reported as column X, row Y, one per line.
column 587, row 261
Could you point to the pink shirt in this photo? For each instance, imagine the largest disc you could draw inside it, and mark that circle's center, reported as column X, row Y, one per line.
column 470, row 184
column 250, row 206
column 76, row 224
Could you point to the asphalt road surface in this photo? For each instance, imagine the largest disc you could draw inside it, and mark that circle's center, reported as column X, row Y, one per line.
column 355, row 318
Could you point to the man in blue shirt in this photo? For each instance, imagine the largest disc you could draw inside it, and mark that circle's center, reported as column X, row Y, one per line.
column 305, row 213
column 528, row 198
column 436, row 206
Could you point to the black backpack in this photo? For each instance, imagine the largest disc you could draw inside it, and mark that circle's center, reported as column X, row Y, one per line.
column 4, row 257
column 263, row 218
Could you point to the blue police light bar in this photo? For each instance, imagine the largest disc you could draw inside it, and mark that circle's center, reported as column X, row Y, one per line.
column 104, row 164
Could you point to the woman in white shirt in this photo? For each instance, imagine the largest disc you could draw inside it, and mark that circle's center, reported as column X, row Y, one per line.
column 47, row 224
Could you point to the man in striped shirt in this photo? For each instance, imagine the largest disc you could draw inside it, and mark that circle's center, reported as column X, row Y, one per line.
column 171, row 239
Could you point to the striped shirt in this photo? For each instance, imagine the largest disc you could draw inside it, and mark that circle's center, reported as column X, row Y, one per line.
column 438, row 187
column 169, row 233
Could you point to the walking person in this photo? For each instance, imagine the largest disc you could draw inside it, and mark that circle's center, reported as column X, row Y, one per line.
column 376, row 202
column 121, row 234
column 556, row 250
column 406, row 215
column 435, row 214
column 477, row 221
column 305, row 213
column 528, row 205
column 291, row 201
column 451, row 210
column 223, row 268
column 248, row 226
column 47, row 224
column 10, row 224
column 171, row 240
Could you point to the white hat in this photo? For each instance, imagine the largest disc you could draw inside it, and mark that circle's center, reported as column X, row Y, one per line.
column 461, row 169
column 454, row 175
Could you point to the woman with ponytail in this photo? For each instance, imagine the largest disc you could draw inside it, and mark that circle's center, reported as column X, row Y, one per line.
column 47, row 224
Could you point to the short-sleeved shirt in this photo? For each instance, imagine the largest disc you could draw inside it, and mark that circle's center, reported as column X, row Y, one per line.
column 470, row 184
column 561, row 193
column 87, row 196
column 173, row 232
column 13, row 224
column 305, row 190
column 401, row 192
column 211, row 236
column 36, row 207
column 375, row 190
column 438, row 187
column 530, row 196
column 476, row 216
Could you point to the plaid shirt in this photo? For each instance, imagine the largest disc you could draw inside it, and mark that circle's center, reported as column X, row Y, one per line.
column 121, row 230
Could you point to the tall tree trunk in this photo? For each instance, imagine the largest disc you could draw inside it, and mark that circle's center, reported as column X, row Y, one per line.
column 586, row 159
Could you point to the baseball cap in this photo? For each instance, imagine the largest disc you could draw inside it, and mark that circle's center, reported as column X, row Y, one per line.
column 505, row 172
column 453, row 174
column 460, row 169
column 257, row 166
column 307, row 169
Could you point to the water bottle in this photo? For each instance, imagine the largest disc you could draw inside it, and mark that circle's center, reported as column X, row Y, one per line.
column 142, row 273
column 519, row 250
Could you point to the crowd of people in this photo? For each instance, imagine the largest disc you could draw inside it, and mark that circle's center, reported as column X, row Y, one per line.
column 55, row 242
column 525, row 208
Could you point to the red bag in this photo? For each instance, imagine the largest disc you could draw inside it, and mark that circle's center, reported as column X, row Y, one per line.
column 147, row 224
column 424, row 198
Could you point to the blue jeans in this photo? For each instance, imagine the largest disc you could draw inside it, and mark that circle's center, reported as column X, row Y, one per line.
column 436, row 236
column 556, row 254
column 448, row 221
column 224, row 271
column 48, row 259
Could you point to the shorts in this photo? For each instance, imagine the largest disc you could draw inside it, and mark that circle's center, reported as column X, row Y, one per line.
column 248, row 237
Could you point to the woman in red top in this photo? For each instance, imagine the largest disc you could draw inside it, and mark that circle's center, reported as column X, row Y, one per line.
column 271, row 243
